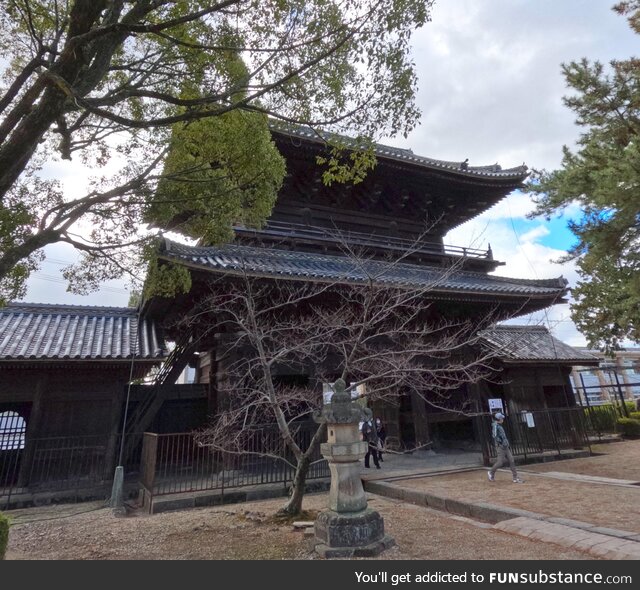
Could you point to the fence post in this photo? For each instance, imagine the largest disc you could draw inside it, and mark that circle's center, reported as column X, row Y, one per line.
column 484, row 439
column 586, row 397
column 553, row 432
column 148, row 468
column 624, row 403
column 580, row 418
column 525, row 429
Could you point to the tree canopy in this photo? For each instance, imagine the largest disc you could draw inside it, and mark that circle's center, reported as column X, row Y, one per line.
column 169, row 102
column 602, row 175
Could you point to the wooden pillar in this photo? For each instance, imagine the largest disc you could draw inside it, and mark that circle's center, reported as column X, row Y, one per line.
column 420, row 420
column 33, row 432
column 221, row 378
column 212, row 381
column 539, row 389
column 113, row 441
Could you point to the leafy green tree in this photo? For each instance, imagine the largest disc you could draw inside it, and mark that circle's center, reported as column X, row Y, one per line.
column 170, row 103
column 602, row 175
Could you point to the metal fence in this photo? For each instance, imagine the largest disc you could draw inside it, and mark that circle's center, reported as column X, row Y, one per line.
column 65, row 467
column 539, row 432
column 173, row 463
column 618, row 393
column 600, row 421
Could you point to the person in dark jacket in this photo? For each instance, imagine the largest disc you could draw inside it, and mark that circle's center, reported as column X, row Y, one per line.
column 382, row 435
column 503, row 449
column 370, row 436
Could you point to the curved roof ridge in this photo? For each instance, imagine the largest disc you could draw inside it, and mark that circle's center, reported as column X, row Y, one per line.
column 407, row 155
column 295, row 265
column 517, row 327
column 179, row 249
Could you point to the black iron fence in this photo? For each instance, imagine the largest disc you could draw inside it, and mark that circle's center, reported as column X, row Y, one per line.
column 65, row 467
column 539, row 432
column 593, row 396
column 173, row 463
column 601, row 421
column 79, row 467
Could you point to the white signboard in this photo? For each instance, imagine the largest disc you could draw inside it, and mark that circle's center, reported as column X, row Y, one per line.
column 530, row 421
column 495, row 404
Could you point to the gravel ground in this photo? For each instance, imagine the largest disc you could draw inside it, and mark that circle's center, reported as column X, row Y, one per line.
column 604, row 505
column 619, row 460
column 248, row 531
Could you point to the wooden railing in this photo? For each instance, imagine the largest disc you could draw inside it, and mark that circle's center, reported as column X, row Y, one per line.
column 281, row 229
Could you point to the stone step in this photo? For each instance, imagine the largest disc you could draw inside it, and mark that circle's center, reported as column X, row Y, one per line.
column 593, row 543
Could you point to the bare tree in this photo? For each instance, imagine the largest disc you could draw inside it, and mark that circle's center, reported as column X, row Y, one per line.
column 376, row 332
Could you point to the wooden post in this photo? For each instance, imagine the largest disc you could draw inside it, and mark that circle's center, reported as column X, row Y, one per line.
column 116, row 424
column 148, row 468
column 420, row 421
column 32, row 433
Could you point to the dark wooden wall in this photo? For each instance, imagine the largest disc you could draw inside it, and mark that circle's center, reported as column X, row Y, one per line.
column 64, row 401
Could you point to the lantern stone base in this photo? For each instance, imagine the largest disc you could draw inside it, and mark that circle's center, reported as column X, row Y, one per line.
column 351, row 534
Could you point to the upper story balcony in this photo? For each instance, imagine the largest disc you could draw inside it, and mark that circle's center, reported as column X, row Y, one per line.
column 294, row 236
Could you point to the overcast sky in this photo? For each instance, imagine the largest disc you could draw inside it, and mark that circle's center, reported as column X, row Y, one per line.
column 490, row 90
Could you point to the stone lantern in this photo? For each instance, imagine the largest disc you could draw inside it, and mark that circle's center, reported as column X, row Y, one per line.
column 348, row 528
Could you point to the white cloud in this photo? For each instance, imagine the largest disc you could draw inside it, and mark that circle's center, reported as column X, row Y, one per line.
column 524, row 257
column 534, row 234
column 48, row 286
column 516, row 206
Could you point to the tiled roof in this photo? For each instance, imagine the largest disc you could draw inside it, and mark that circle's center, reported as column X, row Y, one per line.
column 532, row 343
column 405, row 155
column 233, row 259
column 41, row 331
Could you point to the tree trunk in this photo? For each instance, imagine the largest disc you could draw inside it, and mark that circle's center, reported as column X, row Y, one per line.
column 14, row 255
column 294, row 505
column 17, row 150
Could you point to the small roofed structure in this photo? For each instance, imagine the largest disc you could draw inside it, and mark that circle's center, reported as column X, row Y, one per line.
column 535, row 367
column 53, row 333
column 533, row 344
column 532, row 373
column 64, row 376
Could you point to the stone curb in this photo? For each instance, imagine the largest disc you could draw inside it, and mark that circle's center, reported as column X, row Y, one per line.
column 481, row 510
column 594, row 543
column 182, row 501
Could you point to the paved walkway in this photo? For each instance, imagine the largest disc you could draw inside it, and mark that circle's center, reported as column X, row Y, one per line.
column 598, row 541
column 607, row 546
column 421, row 462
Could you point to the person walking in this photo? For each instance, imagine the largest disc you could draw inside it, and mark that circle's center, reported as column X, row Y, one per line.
column 370, row 436
column 503, row 449
column 382, row 436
